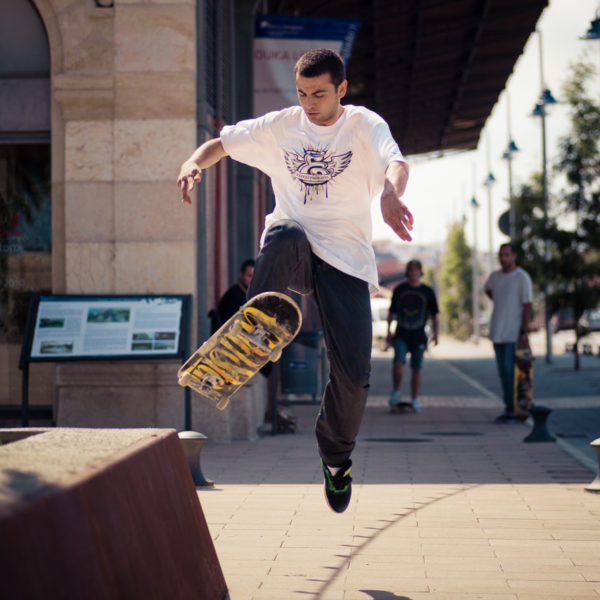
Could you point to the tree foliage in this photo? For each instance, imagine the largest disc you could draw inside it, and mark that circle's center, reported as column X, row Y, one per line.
column 573, row 228
column 456, row 285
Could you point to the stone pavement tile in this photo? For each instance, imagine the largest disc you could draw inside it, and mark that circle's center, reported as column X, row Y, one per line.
column 451, row 533
column 310, row 541
column 505, row 533
column 542, row 596
column 306, row 585
column 457, row 596
column 484, row 584
column 574, row 534
column 458, row 565
column 230, row 554
column 543, row 576
column 589, row 573
column 386, row 562
column 581, row 547
column 278, row 594
column 319, row 556
column 398, row 550
column 554, row 589
column 585, row 559
column 467, row 551
column 537, row 564
column 249, row 539
column 407, row 584
column 510, row 523
column 551, row 548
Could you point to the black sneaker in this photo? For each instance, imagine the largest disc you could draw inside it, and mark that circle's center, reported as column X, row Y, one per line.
column 338, row 487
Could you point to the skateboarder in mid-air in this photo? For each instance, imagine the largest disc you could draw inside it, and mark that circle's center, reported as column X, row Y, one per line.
column 326, row 161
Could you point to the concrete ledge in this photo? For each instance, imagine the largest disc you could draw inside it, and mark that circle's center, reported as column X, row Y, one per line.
column 96, row 514
column 128, row 394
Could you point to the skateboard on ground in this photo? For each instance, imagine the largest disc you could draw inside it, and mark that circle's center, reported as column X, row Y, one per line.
column 523, row 382
column 402, row 408
column 255, row 335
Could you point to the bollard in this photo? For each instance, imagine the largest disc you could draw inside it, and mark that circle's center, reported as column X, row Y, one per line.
column 595, row 485
column 540, row 432
column 192, row 443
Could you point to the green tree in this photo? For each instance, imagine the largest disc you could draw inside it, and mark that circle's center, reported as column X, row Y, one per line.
column 456, row 285
column 576, row 249
column 573, row 229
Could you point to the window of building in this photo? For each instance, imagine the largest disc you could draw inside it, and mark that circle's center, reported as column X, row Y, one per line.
column 25, row 200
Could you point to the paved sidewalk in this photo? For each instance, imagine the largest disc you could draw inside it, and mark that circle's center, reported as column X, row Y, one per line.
column 446, row 505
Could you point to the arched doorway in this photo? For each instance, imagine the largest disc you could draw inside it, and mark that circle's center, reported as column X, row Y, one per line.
column 25, row 203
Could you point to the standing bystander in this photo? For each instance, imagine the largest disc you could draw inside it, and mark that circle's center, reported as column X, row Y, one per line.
column 511, row 292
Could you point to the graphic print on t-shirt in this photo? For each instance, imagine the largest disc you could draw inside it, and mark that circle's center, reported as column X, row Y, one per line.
column 315, row 168
column 412, row 313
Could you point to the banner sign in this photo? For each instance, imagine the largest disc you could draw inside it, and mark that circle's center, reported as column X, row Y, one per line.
column 279, row 41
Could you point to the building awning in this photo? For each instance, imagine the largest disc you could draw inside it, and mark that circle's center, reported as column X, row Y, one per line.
column 432, row 68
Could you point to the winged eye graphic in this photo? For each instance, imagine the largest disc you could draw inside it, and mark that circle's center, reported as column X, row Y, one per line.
column 315, row 168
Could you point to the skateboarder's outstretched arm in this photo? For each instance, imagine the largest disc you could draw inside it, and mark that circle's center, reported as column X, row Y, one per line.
column 395, row 212
column 204, row 156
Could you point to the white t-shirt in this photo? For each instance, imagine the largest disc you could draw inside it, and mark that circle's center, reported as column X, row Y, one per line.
column 323, row 177
column 509, row 292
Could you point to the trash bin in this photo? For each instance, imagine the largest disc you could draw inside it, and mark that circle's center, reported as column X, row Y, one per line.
column 300, row 362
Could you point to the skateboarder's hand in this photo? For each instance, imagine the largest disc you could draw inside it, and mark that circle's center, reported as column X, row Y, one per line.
column 396, row 215
column 189, row 175
column 523, row 341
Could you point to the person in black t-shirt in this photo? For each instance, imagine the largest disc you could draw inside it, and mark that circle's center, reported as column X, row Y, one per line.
column 413, row 303
column 235, row 296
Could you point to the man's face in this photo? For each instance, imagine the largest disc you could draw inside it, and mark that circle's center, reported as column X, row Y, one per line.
column 246, row 277
column 507, row 258
column 413, row 274
column 319, row 98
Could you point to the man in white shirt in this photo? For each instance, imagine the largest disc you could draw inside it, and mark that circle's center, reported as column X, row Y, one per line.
column 326, row 163
column 511, row 291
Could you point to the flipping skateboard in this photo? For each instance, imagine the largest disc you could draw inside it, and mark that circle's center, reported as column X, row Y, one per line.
column 523, row 382
column 255, row 335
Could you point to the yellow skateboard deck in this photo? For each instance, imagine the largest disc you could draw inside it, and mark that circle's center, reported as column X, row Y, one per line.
column 255, row 335
column 523, row 382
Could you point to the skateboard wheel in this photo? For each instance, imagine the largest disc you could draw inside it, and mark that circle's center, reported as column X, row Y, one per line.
column 184, row 379
column 275, row 356
column 222, row 404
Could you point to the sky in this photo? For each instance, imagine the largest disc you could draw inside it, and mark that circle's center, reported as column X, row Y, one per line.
column 439, row 191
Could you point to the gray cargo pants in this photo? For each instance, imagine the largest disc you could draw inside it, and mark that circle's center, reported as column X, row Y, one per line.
column 286, row 261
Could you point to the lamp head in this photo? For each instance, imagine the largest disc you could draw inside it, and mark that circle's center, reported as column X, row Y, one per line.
column 593, row 33
column 539, row 110
column 489, row 180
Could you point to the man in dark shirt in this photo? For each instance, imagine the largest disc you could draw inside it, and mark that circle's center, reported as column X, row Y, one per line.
column 412, row 304
column 235, row 296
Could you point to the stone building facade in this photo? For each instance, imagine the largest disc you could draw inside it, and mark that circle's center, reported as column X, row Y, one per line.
column 131, row 89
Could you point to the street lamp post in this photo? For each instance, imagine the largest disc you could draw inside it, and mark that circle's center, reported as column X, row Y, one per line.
column 546, row 98
column 511, row 148
column 488, row 183
column 508, row 156
column 475, row 267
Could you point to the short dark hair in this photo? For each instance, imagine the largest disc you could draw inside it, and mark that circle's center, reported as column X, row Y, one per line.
column 414, row 263
column 510, row 245
column 247, row 263
column 318, row 61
